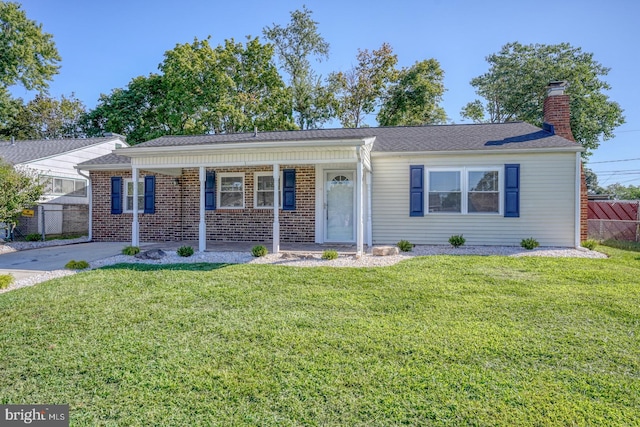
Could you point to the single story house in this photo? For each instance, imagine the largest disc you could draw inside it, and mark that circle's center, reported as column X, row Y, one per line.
column 66, row 198
column 493, row 183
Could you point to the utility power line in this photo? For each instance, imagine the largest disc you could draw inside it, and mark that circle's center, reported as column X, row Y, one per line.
column 614, row 161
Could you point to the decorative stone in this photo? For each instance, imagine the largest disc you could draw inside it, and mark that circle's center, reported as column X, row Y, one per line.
column 151, row 254
column 385, row 250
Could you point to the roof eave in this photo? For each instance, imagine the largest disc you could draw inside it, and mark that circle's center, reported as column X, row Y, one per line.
column 483, row 151
column 234, row 146
column 104, row 167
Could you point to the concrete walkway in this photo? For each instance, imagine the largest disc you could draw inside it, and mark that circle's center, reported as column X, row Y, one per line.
column 27, row 263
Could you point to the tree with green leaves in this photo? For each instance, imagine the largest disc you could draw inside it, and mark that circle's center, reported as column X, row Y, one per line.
column 591, row 179
column 360, row 89
column 45, row 117
column 294, row 44
column 621, row 192
column 135, row 111
column 234, row 87
column 19, row 189
column 514, row 88
column 414, row 99
column 28, row 57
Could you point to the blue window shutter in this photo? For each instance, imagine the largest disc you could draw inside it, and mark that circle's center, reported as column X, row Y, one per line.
column 150, row 194
column 416, row 191
column 512, row 190
column 289, row 189
column 210, row 191
column 116, row 195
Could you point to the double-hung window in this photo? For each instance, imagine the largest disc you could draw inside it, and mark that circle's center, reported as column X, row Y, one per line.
column 128, row 195
column 445, row 191
column 264, row 186
column 231, row 191
column 483, row 195
column 464, row 190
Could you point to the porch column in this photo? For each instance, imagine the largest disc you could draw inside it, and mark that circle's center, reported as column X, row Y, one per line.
column 276, row 208
column 359, row 209
column 368, row 177
column 202, row 226
column 135, row 225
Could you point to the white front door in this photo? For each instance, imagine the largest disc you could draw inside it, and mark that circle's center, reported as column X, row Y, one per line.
column 340, row 206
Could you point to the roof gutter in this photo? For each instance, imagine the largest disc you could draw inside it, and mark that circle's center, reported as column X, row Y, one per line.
column 489, row 151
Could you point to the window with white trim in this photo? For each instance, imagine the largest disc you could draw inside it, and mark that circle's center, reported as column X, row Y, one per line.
column 464, row 190
column 58, row 186
column 483, row 195
column 445, row 191
column 128, row 195
column 263, row 190
column 231, row 190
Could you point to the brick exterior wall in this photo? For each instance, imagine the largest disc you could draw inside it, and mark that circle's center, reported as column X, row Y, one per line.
column 584, row 206
column 178, row 210
column 557, row 112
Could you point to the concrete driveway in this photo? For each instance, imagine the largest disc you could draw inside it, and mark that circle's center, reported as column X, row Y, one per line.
column 31, row 262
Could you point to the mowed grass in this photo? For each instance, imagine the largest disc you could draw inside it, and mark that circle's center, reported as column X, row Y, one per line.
column 432, row 341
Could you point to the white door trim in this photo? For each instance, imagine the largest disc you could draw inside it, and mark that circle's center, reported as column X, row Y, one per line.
column 325, row 174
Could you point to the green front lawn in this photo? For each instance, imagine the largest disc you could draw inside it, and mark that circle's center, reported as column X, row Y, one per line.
column 437, row 340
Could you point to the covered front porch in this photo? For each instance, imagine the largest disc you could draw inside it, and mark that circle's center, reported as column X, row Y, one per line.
column 265, row 191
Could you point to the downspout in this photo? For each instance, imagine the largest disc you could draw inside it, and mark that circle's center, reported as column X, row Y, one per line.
column 578, row 190
column 369, row 176
column 90, row 204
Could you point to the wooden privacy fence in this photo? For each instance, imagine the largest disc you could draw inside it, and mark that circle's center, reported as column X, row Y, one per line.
column 614, row 220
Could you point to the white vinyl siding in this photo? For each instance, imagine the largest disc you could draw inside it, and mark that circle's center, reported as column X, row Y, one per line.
column 62, row 166
column 327, row 155
column 547, row 201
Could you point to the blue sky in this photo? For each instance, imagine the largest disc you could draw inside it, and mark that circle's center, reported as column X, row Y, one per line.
column 104, row 44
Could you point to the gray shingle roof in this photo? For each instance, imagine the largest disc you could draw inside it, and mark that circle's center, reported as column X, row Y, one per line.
column 34, row 149
column 399, row 139
column 485, row 137
column 107, row 160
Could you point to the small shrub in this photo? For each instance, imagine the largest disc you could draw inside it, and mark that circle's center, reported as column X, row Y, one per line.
column 185, row 251
column 457, row 240
column 76, row 265
column 405, row 246
column 131, row 250
column 330, row 254
column 529, row 243
column 33, row 237
column 259, row 250
column 589, row 244
column 5, row 280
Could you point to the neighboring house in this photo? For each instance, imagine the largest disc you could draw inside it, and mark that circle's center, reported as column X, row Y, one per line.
column 66, row 198
column 494, row 183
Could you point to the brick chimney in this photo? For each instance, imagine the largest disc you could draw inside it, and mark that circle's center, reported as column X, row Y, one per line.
column 557, row 113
